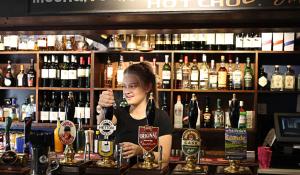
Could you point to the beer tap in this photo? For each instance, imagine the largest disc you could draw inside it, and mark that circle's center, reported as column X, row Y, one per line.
column 88, row 140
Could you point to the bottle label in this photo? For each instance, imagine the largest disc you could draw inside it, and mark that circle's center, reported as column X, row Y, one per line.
column 289, row 82
column 20, row 80
column 7, row 82
column 277, row 81
column 30, row 80
column 30, row 45
column 239, row 42
column 257, row 42
column 2, row 46
column 120, row 75
column 178, row 75
column 263, row 81
column 213, row 80
column 242, row 120
column 14, row 41
column 178, row 115
column 211, row 39
column 185, row 37
column 229, row 38
column 166, row 75
column 87, row 73
column 248, row 80
column 80, row 72
column 220, row 38
column 53, row 115
column 51, row 40
column 79, row 112
column 109, row 72
column 52, row 73
column 206, row 117
column 203, row 75
column 64, row 74
column 62, row 116
column 72, row 74
column 219, row 119
column 195, row 75
column 87, row 112
column 222, row 75
column 236, row 79
column 45, row 73
column 44, row 115
column 42, row 43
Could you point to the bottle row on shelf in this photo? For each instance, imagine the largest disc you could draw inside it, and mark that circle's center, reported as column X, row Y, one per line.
column 279, row 81
column 191, row 76
column 189, row 115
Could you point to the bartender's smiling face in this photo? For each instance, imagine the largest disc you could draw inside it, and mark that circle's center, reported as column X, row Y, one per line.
column 133, row 90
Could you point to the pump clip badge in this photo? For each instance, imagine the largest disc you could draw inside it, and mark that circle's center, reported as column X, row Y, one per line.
column 67, row 132
column 190, row 142
column 148, row 137
column 106, row 128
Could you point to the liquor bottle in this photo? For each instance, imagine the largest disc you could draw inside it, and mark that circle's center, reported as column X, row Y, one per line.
column 88, row 73
column 219, row 116
column 263, row 82
column 186, row 74
column 123, row 103
column 194, row 81
column 167, row 42
column 289, row 79
column 45, row 109
column 179, row 75
column 193, row 112
column 178, row 113
column 159, row 42
column 150, row 110
column 243, row 117
column 234, row 112
column 277, row 80
column 120, row 72
column 166, row 74
column 31, row 75
column 213, row 76
column 58, row 146
column 70, row 107
column 64, row 72
column 87, row 109
column 81, row 73
column 80, row 137
column 227, row 115
column 164, row 105
column 1, row 78
column 45, row 72
column 9, row 80
column 207, row 118
column 176, row 42
column 14, row 110
column 53, row 108
column 52, row 72
column 73, row 72
column 237, row 76
column 79, row 109
column 204, row 70
column 61, row 107
column 248, row 76
column 156, row 72
column 222, row 75
column 68, row 43
column 186, row 108
column 229, row 75
column 23, row 109
column 21, row 77
column 108, row 72
column 58, row 76
column 31, row 108
column 42, row 43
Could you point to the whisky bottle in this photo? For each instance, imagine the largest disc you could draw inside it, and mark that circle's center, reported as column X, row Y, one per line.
column 237, row 76
column 222, row 75
column 277, row 80
column 178, row 113
column 213, row 76
column 31, row 75
column 45, row 72
column 108, row 74
column 248, row 76
column 229, row 75
column 186, row 72
column 120, row 72
column 193, row 112
column 194, row 75
column 207, row 118
column 9, row 80
column 243, row 116
column 21, row 77
column 166, row 74
column 179, row 75
column 204, row 69
column 219, row 116
column 289, row 79
column 263, row 82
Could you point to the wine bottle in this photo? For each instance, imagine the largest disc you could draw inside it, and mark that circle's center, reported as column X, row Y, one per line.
column 166, row 74
column 61, row 107
column 79, row 109
column 9, row 80
column 64, row 72
column 73, row 72
column 31, row 75
column 45, row 110
column 87, row 110
column 45, row 72
column 81, row 73
column 234, row 112
column 87, row 73
column 150, row 110
column 53, row 108
column 80, row 137
column 70, row 107
column 179, row 75
column 21, row 77
column 193, row 112
column 164, row 105
column 57, row 81
column 52, row 72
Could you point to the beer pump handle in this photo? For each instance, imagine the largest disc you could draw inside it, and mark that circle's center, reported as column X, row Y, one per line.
column 8, row 122
column 27, row 130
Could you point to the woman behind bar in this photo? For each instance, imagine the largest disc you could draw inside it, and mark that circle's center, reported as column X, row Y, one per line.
column 139, row 81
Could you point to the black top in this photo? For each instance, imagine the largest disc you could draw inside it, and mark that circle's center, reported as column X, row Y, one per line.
column 127, row 127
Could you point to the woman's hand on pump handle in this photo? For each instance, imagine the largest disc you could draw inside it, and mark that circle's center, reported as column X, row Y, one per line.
column 106, row 99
